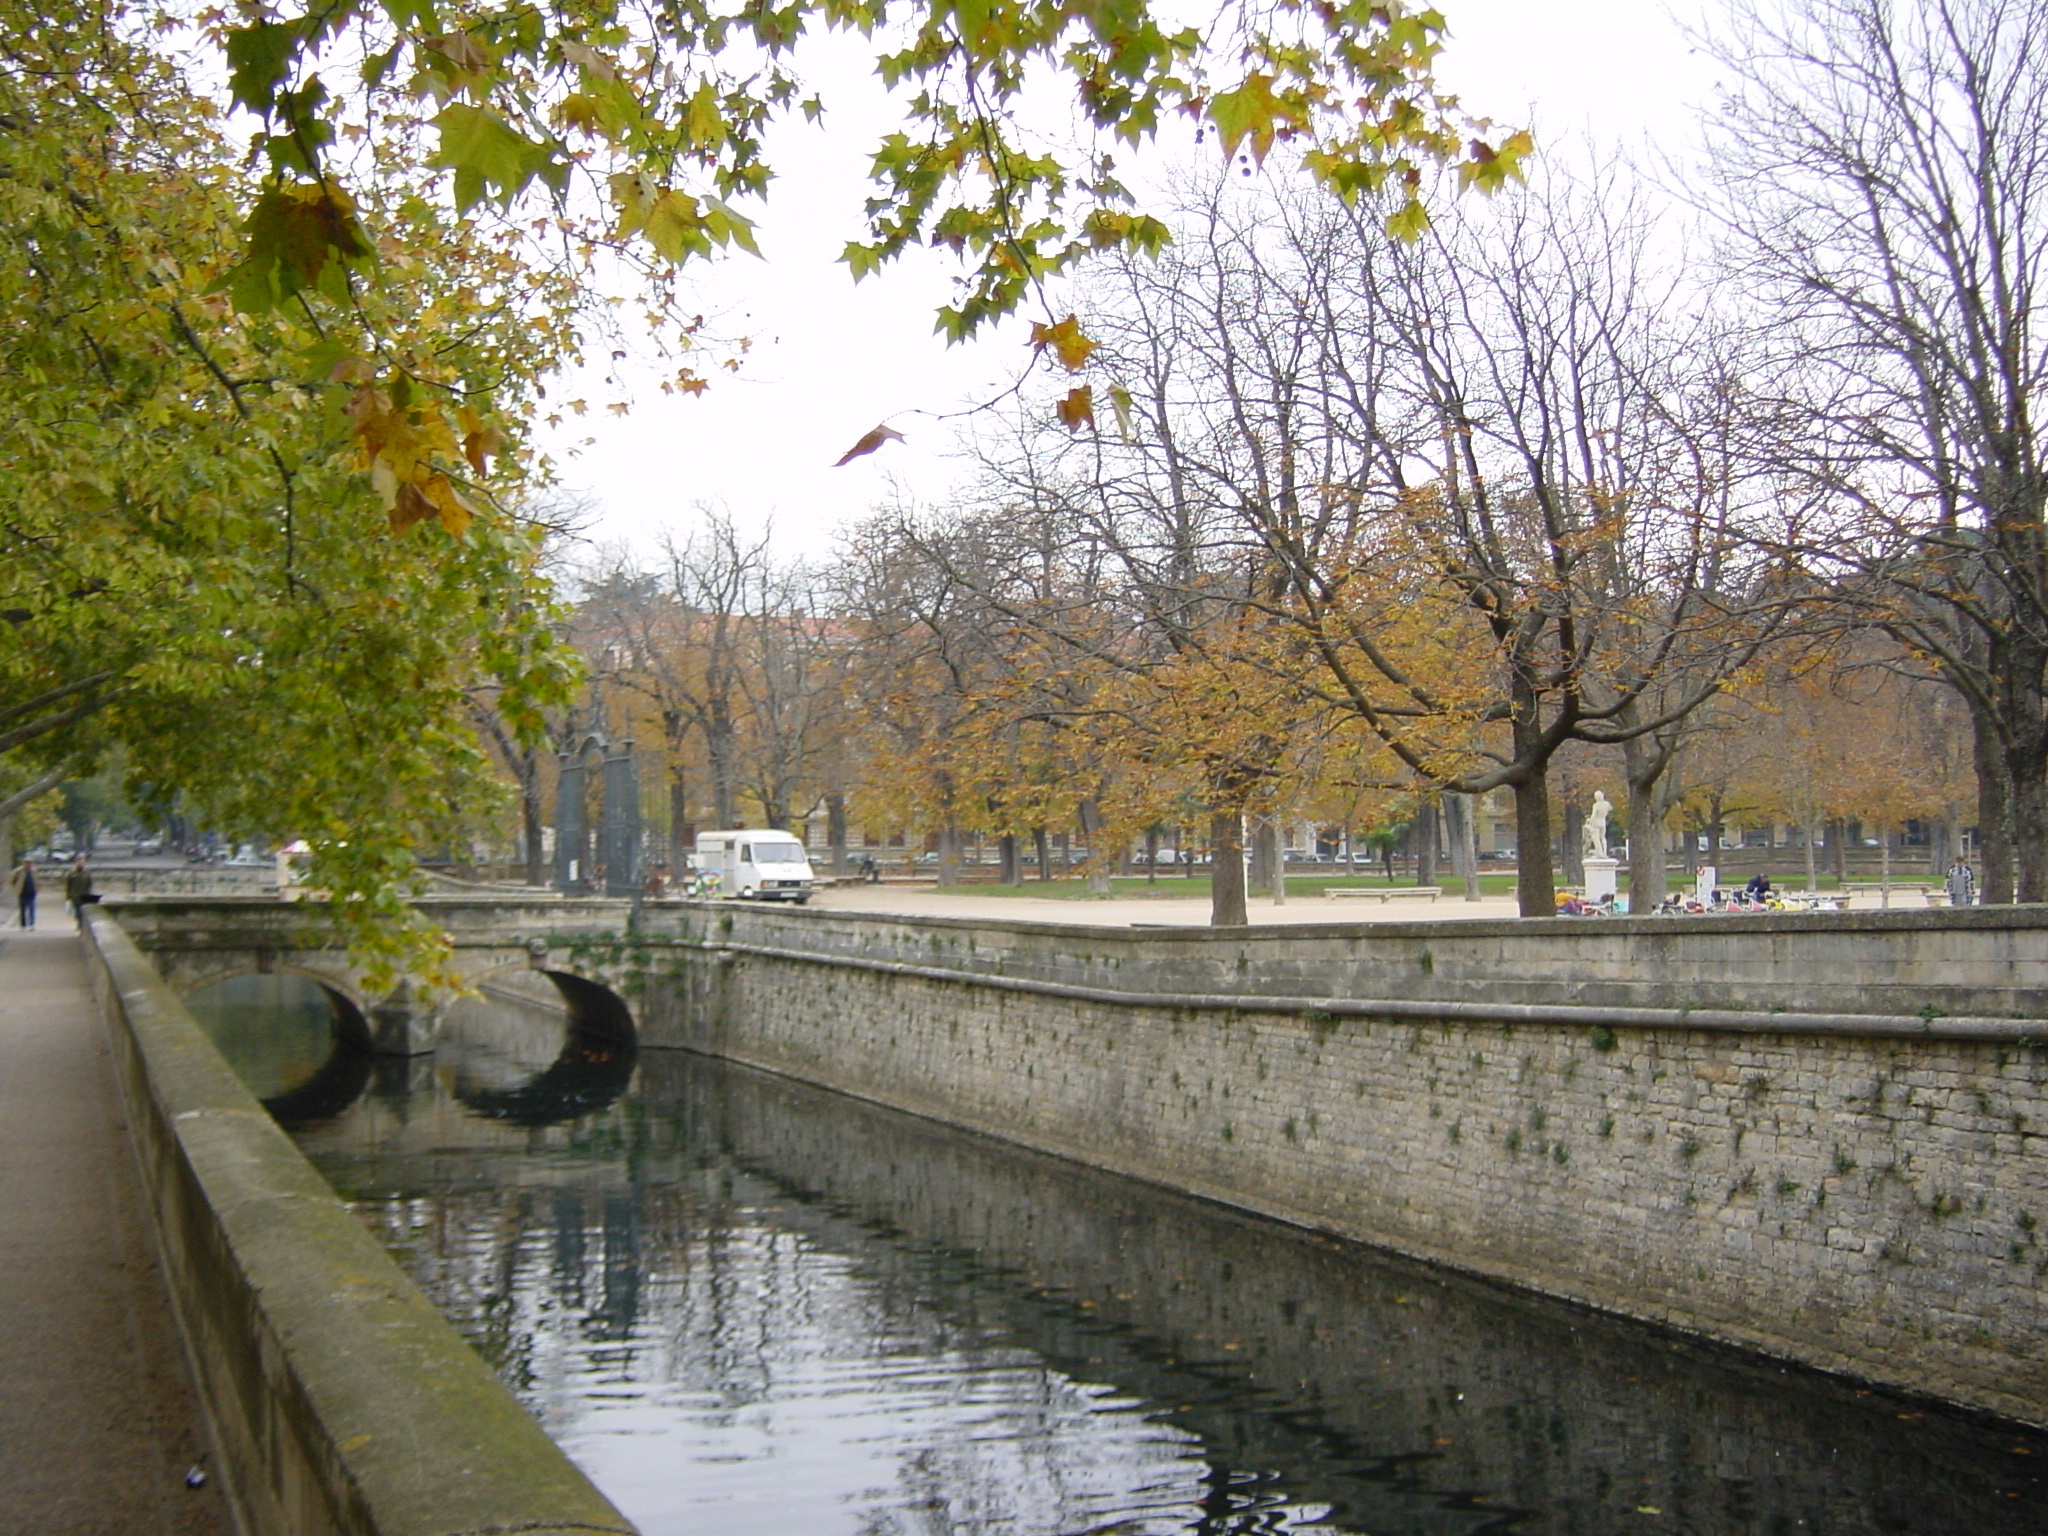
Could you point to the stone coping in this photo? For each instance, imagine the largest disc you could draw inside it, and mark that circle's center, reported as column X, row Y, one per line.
column 556, row 909
column 339, row 1398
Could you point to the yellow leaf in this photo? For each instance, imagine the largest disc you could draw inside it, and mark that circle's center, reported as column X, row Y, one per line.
column 1078, row 409
column 455, row 513
column 1066, row 342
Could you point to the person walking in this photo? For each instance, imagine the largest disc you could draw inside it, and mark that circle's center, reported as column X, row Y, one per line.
column 78, row 889
column 1962, row 884
column 23, row 883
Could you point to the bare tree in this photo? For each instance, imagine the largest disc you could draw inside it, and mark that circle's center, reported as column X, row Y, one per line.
column 1883, row 173
column 1480, row 481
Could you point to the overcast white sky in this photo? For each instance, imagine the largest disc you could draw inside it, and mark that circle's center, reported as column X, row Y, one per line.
column 829, row 360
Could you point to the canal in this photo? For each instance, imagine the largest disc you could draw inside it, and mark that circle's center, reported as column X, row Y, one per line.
column 746, row 1306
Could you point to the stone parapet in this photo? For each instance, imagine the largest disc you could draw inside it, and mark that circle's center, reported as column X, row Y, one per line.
column 340, row 1399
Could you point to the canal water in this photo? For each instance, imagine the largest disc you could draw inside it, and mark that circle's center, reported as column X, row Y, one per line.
column 746, row 1306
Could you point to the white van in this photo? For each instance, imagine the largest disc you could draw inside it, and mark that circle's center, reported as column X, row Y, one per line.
column 757, row 864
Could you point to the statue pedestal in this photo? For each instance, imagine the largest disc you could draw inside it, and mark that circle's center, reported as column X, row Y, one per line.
column 1600, row 878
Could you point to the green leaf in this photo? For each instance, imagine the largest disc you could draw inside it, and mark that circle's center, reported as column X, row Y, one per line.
column 1252, row 112
column 675, row 226
column 259, row 58
column 485, row 152
column 704, row 122
column 1409, row 222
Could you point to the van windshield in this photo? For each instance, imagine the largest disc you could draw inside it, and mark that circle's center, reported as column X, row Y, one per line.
column 791, row 852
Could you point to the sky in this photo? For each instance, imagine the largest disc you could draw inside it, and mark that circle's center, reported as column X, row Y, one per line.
column 829, row 359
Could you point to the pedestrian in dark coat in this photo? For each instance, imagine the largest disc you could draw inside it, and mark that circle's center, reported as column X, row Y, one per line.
column 78, row 889
column 23, row 884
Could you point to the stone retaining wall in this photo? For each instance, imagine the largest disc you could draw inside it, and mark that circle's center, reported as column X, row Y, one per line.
column 339, row 1399
column 1868, row 1204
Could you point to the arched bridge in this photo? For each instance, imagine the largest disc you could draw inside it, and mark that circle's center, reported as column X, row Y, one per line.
column 577, row 946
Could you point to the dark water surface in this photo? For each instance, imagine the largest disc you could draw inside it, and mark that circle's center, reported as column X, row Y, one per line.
column 747, row 1306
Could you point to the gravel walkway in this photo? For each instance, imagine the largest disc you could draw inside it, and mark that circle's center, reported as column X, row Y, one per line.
column 98, row 1422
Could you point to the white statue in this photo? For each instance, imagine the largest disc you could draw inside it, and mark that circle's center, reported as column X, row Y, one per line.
column 1596, row 825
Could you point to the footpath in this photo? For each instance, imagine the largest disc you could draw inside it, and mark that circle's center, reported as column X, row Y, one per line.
column 98, row 1422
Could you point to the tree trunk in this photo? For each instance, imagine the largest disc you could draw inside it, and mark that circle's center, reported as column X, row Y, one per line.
column 1994, row 841
column 678, row 819
column 1812, row 872
column 1838, row 841
column 1464, row 829
column 2023, row 787
column 1098, row 849
column 1008, row 869
column 1572, row 845
column 1042, row 845
column 2027, row 815
column 1151, row 855
column 1426, row 822
column 674, row 732
column 1644, row 765
column 1264, row 856
column 1535, row 884
column 949, row 857
column 1884, row 866
column 835, row 832
column 1226, row 870
column 1647, row 885
column 719, row 748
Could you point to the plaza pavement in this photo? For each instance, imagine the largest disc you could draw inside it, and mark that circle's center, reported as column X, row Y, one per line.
column 1188, row 911
column 1127, row 911
column 98, row 1421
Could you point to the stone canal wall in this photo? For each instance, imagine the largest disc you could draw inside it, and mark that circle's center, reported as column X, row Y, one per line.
column 1422, row 1382
column 339, row 1399
column 1818, row 1137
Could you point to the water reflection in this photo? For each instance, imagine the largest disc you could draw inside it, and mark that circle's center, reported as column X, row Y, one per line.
column 302, row 1050
column 744, row 1305
column 521, row 1053
column 518, row 1053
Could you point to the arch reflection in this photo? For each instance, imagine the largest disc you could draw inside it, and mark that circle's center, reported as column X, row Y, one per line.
column 538, row 1048
column 301, row 1047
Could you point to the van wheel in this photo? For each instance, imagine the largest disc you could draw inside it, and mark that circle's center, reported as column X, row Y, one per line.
column 746, row 893
column 803, row 901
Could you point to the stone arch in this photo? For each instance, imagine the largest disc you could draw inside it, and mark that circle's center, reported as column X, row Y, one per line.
column 589, row 1070
column 188, row 974
column 594, row 1008
column 339, row 1080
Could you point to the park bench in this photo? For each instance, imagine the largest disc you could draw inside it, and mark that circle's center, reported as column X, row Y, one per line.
column 1876, row 887
column 1383, row 894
